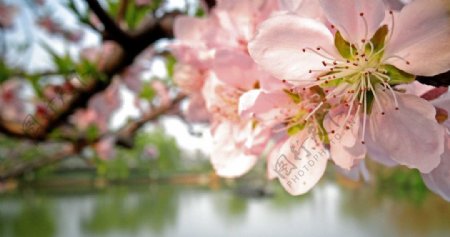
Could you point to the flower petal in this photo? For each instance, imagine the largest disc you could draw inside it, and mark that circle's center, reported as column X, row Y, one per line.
column 278, row 46
column 264, row 106
column 345, row 15
column 300, row 164
column 227, row 158
column 438, row 180
column 236, row 69
column 409, row 135
column 345, row 144
column 422, row 32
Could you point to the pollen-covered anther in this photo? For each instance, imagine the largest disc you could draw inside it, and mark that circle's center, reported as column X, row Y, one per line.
column 324, row 63
column 332, row 131
column 363, row 142
column 383, row 113
column 397, row 108
column 361, row 14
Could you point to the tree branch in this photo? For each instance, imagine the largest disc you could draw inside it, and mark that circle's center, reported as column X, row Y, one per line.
column 112, row 29
column 25, row 167
column 437, row 81
column 210, row 3
column 125, row 136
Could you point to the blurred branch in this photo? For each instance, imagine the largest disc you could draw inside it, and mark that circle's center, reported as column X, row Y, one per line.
column 210, row 3
column 122, row 10
column 25, row 167
column 437, row 81
column 112, row 29
column 125, row 136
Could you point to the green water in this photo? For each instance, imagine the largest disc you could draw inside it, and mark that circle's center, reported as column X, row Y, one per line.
column 165, row 210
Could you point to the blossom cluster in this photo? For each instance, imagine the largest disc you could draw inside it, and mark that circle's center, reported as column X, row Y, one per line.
column 305, row 82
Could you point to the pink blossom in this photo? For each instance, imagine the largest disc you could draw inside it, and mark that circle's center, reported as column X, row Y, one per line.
column 12, row 106
column 142, row 2
column 302, row 51
column 7, row 14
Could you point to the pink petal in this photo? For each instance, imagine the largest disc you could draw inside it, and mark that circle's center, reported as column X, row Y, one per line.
column 422, row 32
column 272, row 156
column 304, row 8
column 278, row 46
column 256, row 142
column 410, row 135
column 189, row 28
column 227, row 158
column 345, row 144
column 356, row 172
column 345, row 15
column 196, row 111
column 300, row 163
column 438, row 180
column 265, row 106
column 235, row 69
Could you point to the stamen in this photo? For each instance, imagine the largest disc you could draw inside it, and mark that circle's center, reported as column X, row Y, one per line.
column 366, row 28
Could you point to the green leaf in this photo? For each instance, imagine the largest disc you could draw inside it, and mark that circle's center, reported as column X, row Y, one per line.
column 170, row 64
column 147, row 92
column 398, row 76
column 343, row 46
column 92, row 133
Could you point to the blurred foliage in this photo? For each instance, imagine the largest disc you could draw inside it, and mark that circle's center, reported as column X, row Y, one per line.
column 402, row 183
column 165, row 160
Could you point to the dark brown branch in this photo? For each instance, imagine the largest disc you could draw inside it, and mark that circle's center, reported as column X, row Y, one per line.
column 125, row 136
column 112, row 30
column 437, row 81
column 210, row 3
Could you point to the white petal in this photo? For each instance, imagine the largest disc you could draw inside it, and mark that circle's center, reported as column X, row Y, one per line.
column 280, row 40
column 300, row 164
column 345, row 15
column 410, row 136
column 422, row 37
column 227, row 158
column 438, row 180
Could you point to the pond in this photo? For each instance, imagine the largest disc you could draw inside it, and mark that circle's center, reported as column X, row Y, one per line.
column 177, row 210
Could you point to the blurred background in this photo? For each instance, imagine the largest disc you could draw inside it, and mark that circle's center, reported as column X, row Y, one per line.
column 94, row 141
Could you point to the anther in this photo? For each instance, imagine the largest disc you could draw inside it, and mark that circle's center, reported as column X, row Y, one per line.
column 361, row 14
